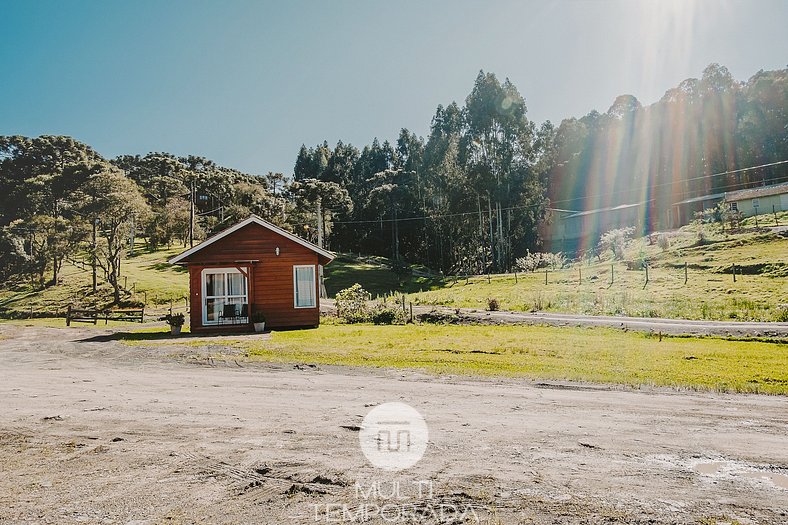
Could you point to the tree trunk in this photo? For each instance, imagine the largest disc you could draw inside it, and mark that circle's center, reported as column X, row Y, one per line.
column 94, row 261
column 113, row 279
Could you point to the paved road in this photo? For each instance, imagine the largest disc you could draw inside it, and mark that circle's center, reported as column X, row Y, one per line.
column 642, row 324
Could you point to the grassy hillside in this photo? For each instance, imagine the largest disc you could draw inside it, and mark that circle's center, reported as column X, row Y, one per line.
column 710, row 292
column 761, row 256
column 147, row 275
column 376, row 275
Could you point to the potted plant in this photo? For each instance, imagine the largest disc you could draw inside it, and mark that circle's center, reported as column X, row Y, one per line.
column 175, row 321
column 258, row 318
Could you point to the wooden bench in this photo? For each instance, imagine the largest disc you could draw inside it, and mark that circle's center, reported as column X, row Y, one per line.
column 136, row 316
column 81, row 315
column 84, row 315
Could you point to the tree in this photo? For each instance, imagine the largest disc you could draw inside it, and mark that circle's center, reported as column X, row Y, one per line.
column 116, row 203
column 392, row 191
column 497, row 152
column 318, row 202
column 41, row 177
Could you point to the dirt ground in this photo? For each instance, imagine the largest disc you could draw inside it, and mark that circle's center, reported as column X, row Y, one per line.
column 94, row 431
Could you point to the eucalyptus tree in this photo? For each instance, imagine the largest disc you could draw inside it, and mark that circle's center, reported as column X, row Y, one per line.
column 496, row 151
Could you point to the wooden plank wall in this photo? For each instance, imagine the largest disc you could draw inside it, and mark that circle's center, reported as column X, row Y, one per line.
column 272, row 276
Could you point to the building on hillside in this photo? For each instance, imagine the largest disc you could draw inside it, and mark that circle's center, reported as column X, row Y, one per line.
column 551, row 228
column 251, row 267
column 683, row 212
column 576, row 231
column 757, row 201
column 751, row 201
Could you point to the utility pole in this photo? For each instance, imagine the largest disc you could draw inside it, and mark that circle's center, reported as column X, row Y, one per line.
column 492, row 235
column 481, row 235
column 319, row 222
column 191, row 215
column 395, row 232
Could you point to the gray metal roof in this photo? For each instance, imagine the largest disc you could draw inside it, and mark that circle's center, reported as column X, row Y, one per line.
column 602, row 210
column 754, row 193
column 701, row 198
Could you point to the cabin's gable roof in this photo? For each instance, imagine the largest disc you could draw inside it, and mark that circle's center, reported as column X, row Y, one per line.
column 254, row 219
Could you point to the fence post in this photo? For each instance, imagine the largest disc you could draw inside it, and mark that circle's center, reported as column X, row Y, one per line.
column 488, row 278
column 68, row 316
column 580, row 275
column 774, row 212
column 734, row 272
column 612, row 268
column 515, row 277
column 411, row 311
column 545, row 276
column 646, row 283
column 685, row 272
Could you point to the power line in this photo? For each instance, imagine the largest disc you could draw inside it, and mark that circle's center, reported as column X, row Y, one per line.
column 534, row 206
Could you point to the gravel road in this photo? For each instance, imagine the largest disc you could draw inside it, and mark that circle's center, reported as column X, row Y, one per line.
column 642, row 324
column 96, row 431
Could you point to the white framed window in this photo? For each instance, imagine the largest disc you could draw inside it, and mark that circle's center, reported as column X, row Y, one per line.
column 222, row 288
column 304, row 286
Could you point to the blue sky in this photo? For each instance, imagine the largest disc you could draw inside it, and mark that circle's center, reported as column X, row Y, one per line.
column 245, row 83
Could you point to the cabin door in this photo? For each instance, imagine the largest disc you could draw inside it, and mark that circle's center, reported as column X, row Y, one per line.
column 223, row 289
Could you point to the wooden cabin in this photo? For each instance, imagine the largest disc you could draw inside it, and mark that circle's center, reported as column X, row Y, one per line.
column 250, row 267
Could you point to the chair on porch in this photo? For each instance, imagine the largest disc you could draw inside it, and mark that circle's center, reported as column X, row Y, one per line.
column 231, row 315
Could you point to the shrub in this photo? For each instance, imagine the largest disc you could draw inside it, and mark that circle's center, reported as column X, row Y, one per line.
column 663, row 242
column 173, row 319
column 387, row 315
column 782, row 313
column 533, row 261
column 352, row 305
column 492, row 304
column 529, row 263
column 616, row 241
column 258, row 317
column 556, row 261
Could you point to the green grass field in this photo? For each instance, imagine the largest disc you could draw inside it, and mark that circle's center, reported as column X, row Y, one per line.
column 534, row 352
